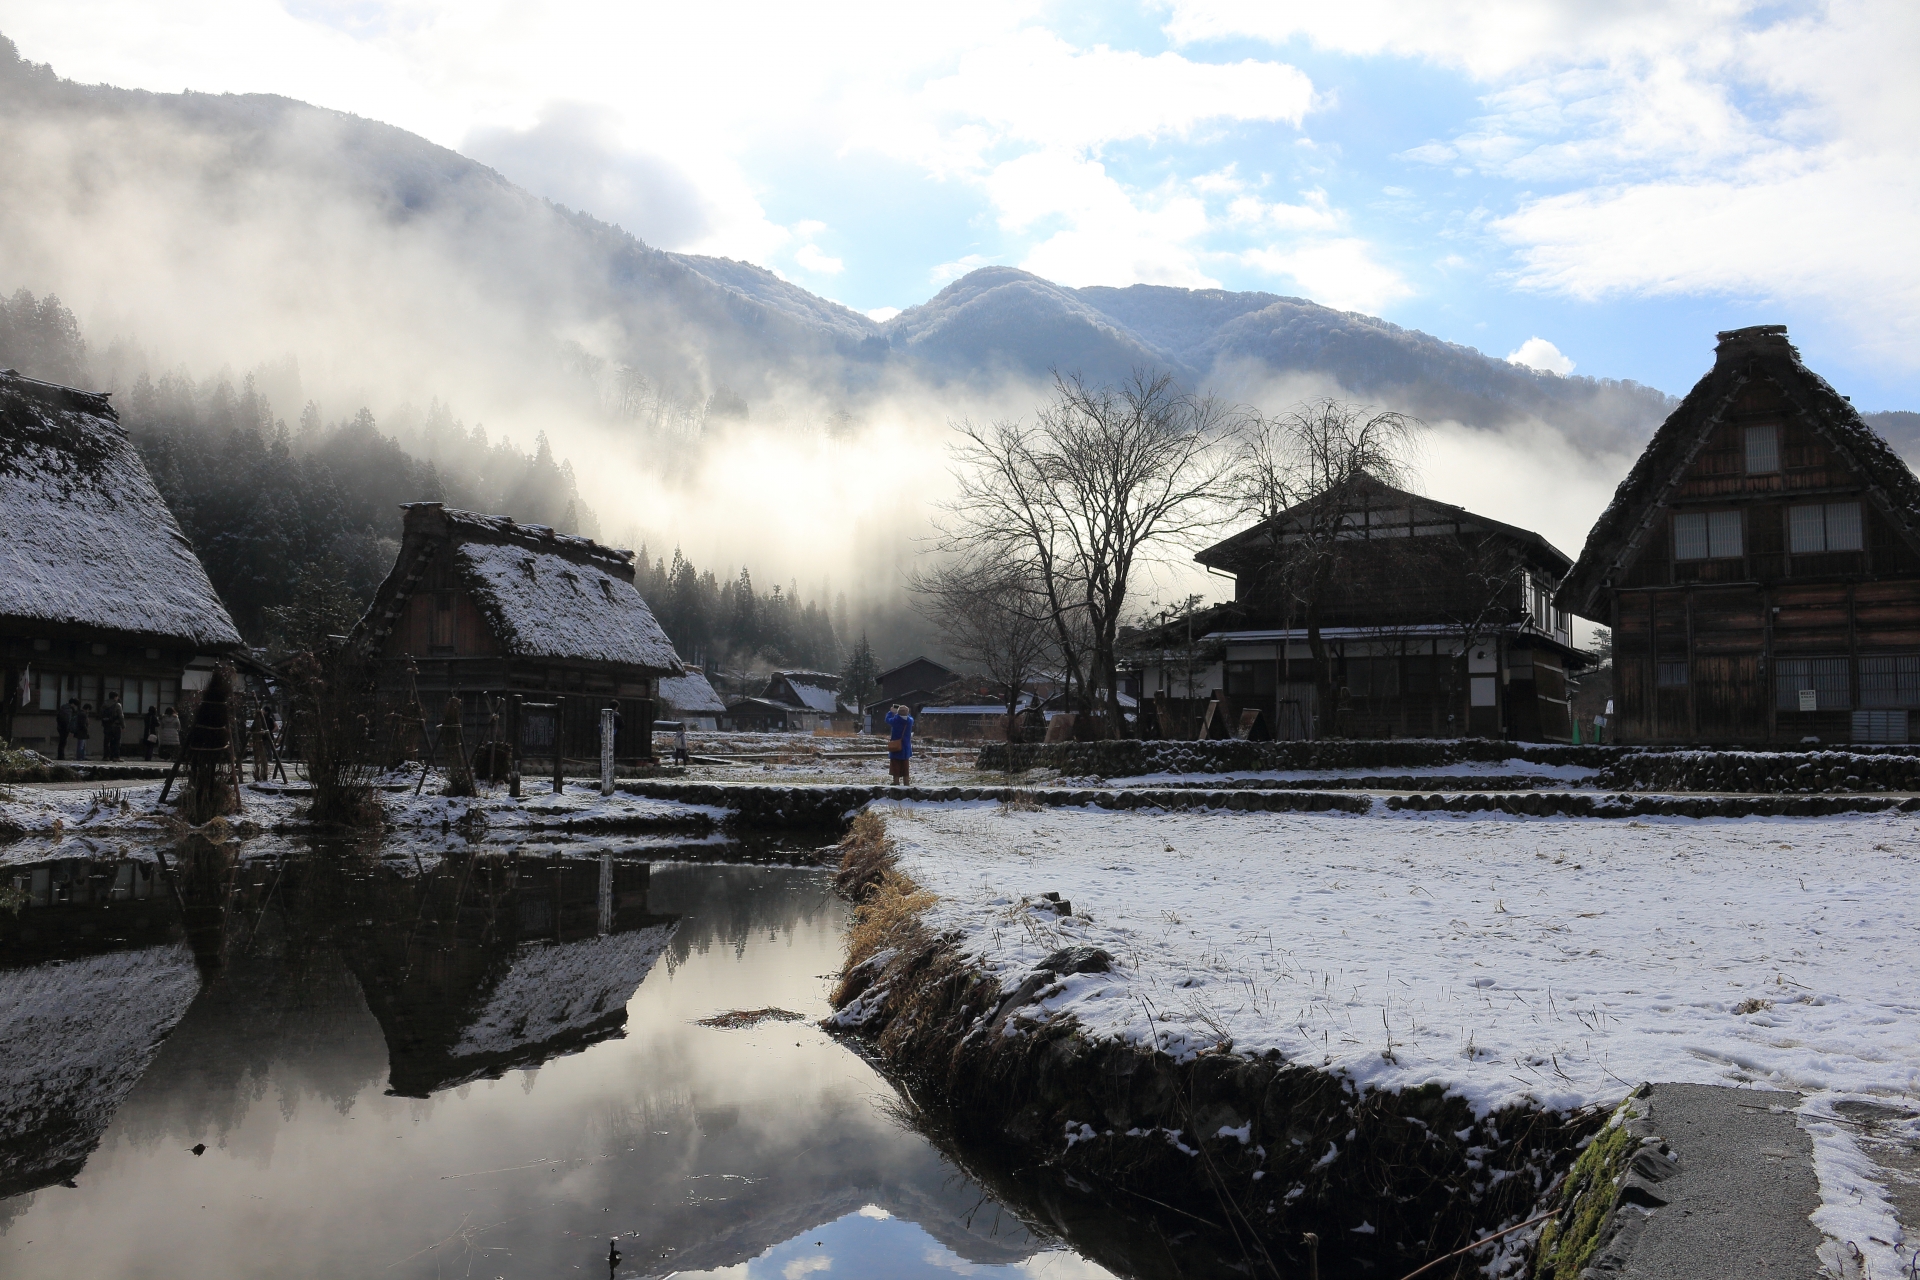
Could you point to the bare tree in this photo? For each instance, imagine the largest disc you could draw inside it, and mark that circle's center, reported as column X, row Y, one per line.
column 993, row 614
column 1084, row 492
column 1302, row 475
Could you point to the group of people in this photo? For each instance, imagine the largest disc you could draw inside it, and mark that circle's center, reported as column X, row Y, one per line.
column 75, row 719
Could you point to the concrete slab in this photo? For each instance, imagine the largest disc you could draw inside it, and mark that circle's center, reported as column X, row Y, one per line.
column 1738, row 1204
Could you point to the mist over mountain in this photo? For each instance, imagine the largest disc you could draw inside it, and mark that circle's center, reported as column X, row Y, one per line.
column 709, row 404
column 137, row 206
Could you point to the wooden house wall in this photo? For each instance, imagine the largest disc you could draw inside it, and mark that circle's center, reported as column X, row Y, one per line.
column 1729, row 620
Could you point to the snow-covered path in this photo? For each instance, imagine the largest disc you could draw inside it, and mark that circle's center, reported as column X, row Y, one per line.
column 1557, row 961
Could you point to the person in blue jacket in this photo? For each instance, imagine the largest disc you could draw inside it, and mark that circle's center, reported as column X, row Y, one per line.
column 900, row 744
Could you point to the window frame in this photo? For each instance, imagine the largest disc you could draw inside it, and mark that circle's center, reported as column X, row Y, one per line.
column 1771, row 432
column 1801, row 516
column 1713, row 528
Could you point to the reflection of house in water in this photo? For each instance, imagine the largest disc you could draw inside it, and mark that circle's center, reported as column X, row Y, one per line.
column 495, row 962
column 94, row 972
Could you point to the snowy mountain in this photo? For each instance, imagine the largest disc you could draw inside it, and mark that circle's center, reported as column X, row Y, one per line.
column 262, row 225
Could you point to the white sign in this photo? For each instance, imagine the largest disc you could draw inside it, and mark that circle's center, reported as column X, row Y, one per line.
column 1809, row 700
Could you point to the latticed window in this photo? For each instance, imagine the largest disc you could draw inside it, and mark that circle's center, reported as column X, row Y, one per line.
column 1763, row 450
column 1706, row 535
column 1823, row 526
column 1826, row 678
column 1673, row 675
column 1890, row 680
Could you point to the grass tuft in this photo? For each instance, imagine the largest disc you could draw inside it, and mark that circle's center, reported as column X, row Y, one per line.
column 887, row 904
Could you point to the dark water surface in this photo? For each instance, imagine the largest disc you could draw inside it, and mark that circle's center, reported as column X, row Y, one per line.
column 477, row 1064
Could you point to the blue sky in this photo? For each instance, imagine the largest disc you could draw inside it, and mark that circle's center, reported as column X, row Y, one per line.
column 1617, row 182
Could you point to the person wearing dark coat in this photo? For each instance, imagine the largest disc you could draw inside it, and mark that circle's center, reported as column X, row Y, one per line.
column 63, row 725
column 80, row 711
column 113, row 719
column 150, row 731
column 900, row 744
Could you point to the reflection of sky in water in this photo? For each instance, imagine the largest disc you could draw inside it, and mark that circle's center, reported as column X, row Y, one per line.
column 871, row 1244
column 708, row 1152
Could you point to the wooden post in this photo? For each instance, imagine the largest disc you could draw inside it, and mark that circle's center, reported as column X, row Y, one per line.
column 606, row 751
column 559, row 723
column 513, row 765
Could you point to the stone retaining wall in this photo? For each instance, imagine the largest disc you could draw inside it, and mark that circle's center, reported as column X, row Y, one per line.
column 1802, row 772
column 1128, row 757
column 1587, row 805
column 755, row 805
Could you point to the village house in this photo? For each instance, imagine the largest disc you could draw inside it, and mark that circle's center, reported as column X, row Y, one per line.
column 492, row 610
column 1760, row 565
column 915, row 683
column 794, row 702
column 100, row 591
column 691, row 700
column 1434, row 622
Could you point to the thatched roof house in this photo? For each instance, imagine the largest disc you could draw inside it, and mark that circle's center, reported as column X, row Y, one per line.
column 691, row 699
column 1760, row 564
column 484, row 605
column 100, row 591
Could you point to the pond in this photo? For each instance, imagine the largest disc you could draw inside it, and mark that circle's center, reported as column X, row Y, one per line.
column 404, row 1063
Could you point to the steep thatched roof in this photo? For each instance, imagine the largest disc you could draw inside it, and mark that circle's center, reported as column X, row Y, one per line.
column 690, row 694
column 89, row 541
column 544, row 594
column 1251, row 546
column 1743, row 357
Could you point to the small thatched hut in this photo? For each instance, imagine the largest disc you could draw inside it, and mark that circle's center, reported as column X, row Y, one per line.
column 100, row 592
column 480, row 604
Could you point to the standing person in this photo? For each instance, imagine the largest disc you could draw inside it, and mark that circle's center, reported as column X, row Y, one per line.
column 150, row 730
column 80, row 714
column 113, row 720
column 899, row 744
column 680, row 742
column 169, row 734
column 63, row 725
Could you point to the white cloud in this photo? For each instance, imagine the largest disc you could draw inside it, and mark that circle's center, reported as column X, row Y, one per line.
column 880, row 315
column 948, row 272
column 810, row 257
column 1538, row 353
column 800, row 1267
column 873, row 1211
column 1106, row 233
column 1338, row 273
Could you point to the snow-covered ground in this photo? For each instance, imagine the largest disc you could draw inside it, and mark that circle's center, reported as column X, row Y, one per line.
column 1556, row 961
column 130, row 809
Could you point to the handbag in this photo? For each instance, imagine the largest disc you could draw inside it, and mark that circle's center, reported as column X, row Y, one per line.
column 895, row 745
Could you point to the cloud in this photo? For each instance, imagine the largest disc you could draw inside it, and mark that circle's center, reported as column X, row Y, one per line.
column 571, row 155
column 1538, row 353
column 800, row 1267
column 1340, row 272
column 948, row 272
column 880, row 315
column 810, row 257
column 1107, row 234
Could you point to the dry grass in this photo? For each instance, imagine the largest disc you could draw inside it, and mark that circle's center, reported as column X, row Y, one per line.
column 887, row 905
column 1021, row 804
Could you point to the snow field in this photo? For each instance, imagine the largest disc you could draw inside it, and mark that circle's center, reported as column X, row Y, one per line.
column 1550, row 962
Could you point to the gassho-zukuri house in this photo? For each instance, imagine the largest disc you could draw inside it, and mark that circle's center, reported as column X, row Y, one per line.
column 1760, row 565
column 1436, row 622
column 480, row 605
column 100, row 591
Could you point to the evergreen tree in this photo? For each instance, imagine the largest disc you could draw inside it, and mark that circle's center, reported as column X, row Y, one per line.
column 860, row 677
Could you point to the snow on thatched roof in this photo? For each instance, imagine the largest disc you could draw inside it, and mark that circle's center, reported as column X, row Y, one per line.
column 89, row 541
column 79, row 1036
column 546, row 594
column 810, row 690
column 1742, row 357
column 690, row 694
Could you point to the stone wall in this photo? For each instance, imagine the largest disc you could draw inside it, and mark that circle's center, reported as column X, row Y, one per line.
column 1131, row 757
column 1802, row 772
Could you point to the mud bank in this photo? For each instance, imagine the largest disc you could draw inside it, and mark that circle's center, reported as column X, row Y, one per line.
column 1258, row 1150
column 1131, row 757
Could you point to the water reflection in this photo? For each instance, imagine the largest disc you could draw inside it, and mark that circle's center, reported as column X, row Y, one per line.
column 486, row 1063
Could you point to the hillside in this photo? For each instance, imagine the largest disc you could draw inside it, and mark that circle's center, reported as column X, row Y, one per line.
column 215, row 210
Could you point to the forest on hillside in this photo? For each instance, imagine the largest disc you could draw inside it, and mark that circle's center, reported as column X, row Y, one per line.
column 298, row 524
